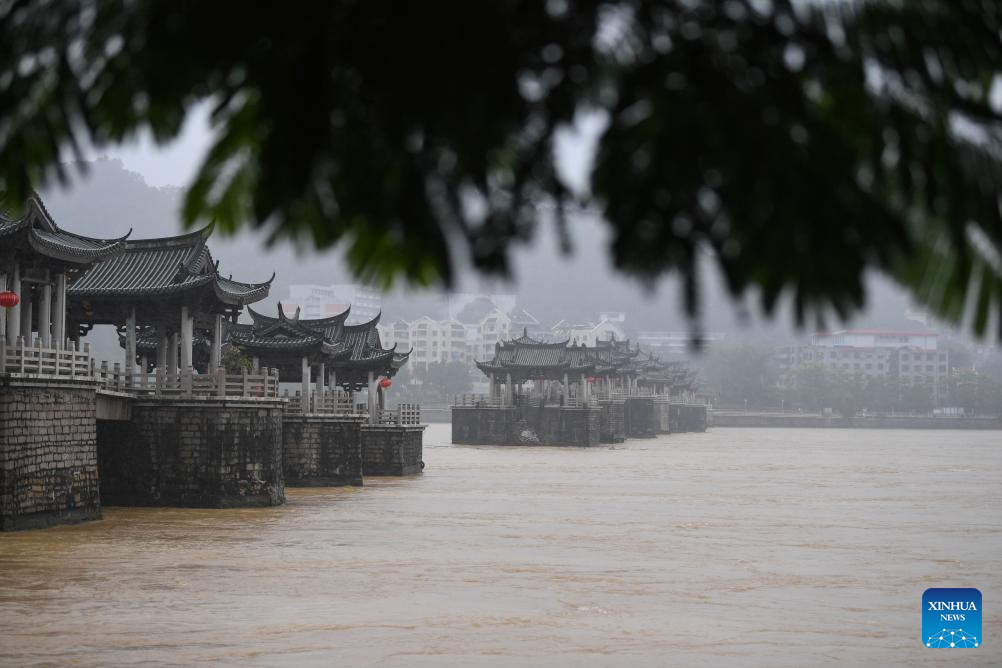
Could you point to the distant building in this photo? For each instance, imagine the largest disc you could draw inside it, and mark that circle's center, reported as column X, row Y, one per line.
column 486, row 322
column 676, row 344
column 589, row 333
column 484, row 335
column 397, row 334
column 909, row 356
column 433, row 341
column 323, row 301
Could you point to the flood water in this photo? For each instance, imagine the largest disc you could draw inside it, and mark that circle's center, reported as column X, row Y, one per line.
column 781, row 547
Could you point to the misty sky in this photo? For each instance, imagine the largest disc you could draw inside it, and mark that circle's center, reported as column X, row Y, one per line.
column 549, row 284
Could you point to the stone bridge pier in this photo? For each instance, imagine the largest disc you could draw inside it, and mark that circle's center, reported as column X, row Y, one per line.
column 48, row 453
column 198, row 452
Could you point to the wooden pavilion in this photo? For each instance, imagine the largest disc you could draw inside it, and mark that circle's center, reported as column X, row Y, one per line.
column 336, row 354
column 171, row 290
column 38, row 260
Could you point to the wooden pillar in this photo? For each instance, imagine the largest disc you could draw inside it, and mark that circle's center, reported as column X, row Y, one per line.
column 332, row 388
column 216, row 352
column 491, row 390
column 26, row 308
column 172, row 349
column 162, row 345
column 321, row 376
column 59, row 312
column 14, row 315
column 584, row 388
column 306, row 385
column 371, row 398
column 508, row 393
column 130, row 342
column 45, row 313
column 187, row 332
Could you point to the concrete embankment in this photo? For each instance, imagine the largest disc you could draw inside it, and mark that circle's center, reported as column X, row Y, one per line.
column 737, row 419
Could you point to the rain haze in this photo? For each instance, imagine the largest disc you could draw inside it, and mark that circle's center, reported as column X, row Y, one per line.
column 501, row 334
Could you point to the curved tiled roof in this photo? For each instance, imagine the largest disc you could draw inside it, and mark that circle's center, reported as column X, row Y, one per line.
column 344, row 345
column 39, row 232
column 526, row 356
column 165, row 266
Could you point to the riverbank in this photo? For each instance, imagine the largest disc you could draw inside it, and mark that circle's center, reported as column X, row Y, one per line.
column 808, row 420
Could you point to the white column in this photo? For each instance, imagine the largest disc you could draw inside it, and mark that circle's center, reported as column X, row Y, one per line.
column 584, row 388
column 26, row 308
column 14, row 315
column 130, row 342
column 371, row 399
column 306, row 385
column 45, row 313
column 216, row 353
column 172, row 349
column 162, row 346
column 59, row 312
column 187, row 325
column 321, row 376
column 509, row 398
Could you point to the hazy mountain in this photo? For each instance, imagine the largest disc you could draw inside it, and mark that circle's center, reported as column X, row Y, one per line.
column 109, row 200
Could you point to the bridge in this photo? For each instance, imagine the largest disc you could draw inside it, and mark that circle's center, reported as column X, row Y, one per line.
column 194, row 413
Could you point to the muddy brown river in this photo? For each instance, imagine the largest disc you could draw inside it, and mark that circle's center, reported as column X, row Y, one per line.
column 753, row 547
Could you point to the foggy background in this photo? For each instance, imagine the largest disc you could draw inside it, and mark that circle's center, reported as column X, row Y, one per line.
column 140, row 186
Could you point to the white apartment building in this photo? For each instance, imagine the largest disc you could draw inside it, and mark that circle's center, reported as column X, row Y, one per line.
column 435, row 341
column 322, row 301
column 395, row 334
column 588, row 333
column 909, row 356
column 484, row 335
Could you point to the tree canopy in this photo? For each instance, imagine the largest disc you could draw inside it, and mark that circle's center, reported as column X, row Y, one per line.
column 793, row 144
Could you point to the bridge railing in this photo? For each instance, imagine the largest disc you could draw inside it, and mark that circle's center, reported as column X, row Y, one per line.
column 34, row 360
column 186, row 383
column 401, row 415
column 476, row 401
column 336, row 402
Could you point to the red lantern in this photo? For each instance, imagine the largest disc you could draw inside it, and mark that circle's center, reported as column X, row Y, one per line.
column 592, row 379
column 385, row 383
column 9, row 299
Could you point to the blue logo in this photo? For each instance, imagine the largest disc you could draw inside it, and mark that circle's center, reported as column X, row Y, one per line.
column 951, row 618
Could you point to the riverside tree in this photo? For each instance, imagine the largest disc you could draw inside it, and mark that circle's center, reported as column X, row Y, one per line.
column 795, row 145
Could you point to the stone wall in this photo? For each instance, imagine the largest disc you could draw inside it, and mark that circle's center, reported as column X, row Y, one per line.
column 640, row 417
column 612, row 426
column 687, row 418
column 48, row 453
column 527, row 425
column 392, row 450
column 322, row 451
column 568, row 426
column 663, row 416
column 214, row 453
column 484, row 426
